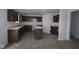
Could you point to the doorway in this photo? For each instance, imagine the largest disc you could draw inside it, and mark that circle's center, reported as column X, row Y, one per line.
column 74, row 29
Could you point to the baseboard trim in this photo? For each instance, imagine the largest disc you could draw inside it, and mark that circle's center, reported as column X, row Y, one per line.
column 64, row 39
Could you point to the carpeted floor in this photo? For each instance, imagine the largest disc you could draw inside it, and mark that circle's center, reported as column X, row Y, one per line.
column 48, row 42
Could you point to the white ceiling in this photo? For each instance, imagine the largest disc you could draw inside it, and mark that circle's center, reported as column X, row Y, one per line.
column 37, row 11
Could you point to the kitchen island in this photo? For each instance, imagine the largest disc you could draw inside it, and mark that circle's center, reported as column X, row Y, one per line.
column 38, row 32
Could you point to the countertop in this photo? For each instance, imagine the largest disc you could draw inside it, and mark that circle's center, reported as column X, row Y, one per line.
column 15, row 27
column 38, row 27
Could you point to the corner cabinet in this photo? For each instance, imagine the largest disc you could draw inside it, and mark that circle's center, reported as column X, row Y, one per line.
column 14, row 35
column 12, row 15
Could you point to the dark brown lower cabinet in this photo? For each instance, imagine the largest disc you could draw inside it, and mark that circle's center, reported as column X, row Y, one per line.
column 54, row 30
column 14, row 35
column 38, row 33
column 28, row 28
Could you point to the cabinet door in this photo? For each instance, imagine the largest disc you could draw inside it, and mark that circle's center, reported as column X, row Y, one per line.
column 56, row 18
column 29, row 19
column 26, row 19
column 12, row 15
column 23, row 19
column 54, row 30
column 15, row 16
column 12, row 35
column 28, row 28
column 39, row 19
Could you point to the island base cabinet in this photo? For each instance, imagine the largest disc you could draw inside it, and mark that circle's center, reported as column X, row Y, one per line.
column 38, row 34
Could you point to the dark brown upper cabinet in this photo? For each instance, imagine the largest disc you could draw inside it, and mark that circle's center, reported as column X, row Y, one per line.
column 39, row 19
column 56, row 18
column 26, row 19
column 29, row 18
column 23, row 18
column 12, row 15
